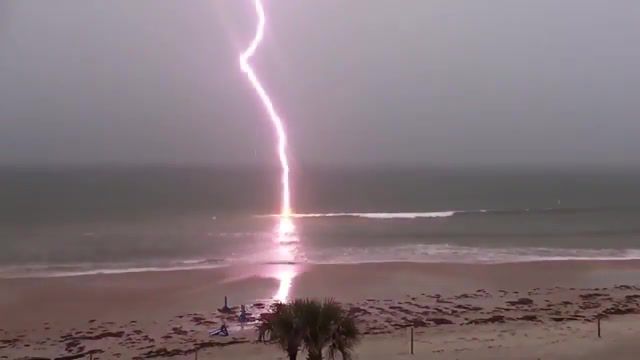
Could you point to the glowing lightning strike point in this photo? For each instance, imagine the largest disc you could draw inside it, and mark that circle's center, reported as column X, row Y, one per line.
column 286, row 224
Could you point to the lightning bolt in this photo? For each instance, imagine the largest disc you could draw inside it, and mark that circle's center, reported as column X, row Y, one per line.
column 286, row 224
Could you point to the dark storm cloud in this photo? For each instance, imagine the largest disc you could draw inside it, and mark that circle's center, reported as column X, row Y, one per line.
column 438, row 81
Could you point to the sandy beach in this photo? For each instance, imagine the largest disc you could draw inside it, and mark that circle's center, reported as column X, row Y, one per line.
column 200, row 180
column 538, row 310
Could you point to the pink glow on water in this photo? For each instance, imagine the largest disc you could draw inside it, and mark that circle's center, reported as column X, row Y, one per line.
column 286, row 271
column 286, row 224
column 285, row 277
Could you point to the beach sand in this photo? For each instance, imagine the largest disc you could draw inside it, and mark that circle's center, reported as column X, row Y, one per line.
column 538, row 310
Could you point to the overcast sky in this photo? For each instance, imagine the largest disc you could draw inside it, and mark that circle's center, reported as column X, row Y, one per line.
column 357, row 81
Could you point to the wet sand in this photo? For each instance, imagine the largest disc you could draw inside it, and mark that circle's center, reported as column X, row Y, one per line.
column 548, row 309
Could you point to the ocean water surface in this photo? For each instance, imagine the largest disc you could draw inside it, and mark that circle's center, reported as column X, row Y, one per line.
column 81, row 220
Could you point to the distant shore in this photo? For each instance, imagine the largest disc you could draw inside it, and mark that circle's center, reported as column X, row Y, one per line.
column 146, row 311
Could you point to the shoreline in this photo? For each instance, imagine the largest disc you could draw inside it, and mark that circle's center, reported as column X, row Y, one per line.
column 134, row 313
column 18, row 271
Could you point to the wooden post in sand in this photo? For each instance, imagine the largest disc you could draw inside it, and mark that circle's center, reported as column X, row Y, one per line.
column 599, row 326
column 412, row 340
column 196, row 354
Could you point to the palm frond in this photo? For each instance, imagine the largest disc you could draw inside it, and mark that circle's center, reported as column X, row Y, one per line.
column 316, row 326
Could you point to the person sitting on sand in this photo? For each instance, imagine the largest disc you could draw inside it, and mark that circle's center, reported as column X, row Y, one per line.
column 222, row 331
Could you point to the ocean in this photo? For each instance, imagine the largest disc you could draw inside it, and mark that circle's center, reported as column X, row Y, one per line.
column 81, row 220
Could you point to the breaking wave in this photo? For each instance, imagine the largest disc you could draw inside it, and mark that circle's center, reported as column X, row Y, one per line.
column 444, row 253
column 448, row 213
column 415, row 253
column 80, row 269
column 398, row 215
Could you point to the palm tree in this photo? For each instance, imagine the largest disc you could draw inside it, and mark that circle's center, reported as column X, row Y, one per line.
column 316, row 325
column 344, row 335
column 328, row 327
column 282, row 326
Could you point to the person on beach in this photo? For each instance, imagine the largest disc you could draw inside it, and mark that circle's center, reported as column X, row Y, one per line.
column 243, row 314
column 222, row 331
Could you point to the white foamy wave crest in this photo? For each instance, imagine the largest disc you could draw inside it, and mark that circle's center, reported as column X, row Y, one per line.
column 417, row 253
column 376, row 215
column 81, row 269
column 443, row 253
column 441, row 214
